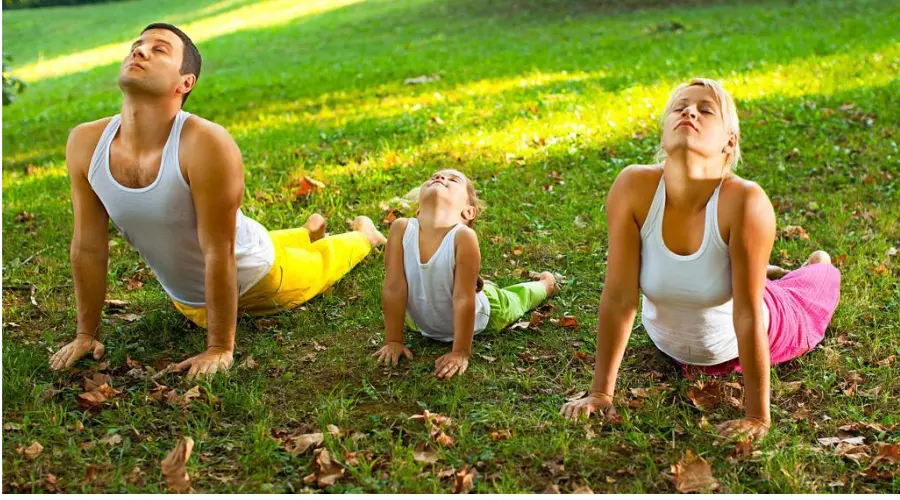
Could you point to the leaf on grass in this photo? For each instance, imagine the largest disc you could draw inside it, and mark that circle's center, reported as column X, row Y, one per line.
column 566, row 321
column 51, row 483
column 794, row 232
column 327, row 472
column 444, row 439
column 158, row 393
column 887, row 452
column 583, row 490
column 173, row 466
column 112, row 440
column 96, row 380
column 307, row 185
column 334, row 430
column 829, row 441
column 501, row 435
column 128, row 317
column 94, row 399
column 298, row 445
column 248, row 364
column 887, row 361
column 693, row 473
column 31, row 451
column 116, row 304
column 489, row 359
column 426, row 454
column 640, row 392
column 742, row 449
column 445, row 473
column 705, row 396
column 576, row 395
column 552, row 489
column 465, row 479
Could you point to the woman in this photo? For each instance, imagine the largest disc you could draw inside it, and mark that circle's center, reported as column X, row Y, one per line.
column 695, row 239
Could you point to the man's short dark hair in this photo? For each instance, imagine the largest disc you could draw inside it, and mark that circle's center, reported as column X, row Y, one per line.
column 190, row 57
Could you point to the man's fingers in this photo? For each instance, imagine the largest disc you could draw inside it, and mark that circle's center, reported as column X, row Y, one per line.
column 184, row 364
column 71, row 358
column 395, row 358
column 99, row 350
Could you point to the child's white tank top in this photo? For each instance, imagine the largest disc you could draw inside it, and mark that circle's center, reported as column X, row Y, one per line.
column 429, row 300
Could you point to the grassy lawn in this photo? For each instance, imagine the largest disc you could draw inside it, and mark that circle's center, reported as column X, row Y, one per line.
column 542, row 103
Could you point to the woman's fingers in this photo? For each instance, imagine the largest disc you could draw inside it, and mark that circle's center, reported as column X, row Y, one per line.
column 407, row 353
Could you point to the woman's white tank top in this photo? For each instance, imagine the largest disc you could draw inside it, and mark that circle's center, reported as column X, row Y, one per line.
column 429, row 300
column 687, row 299
column 160, row 222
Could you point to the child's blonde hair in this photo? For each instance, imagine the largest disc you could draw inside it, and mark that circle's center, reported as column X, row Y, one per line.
column 729, row 117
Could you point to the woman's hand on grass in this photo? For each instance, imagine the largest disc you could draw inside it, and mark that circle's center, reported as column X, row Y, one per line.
column 391, row 353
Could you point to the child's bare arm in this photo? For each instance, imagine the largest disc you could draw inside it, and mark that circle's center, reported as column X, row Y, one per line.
column 393, row 297
column 465, row 280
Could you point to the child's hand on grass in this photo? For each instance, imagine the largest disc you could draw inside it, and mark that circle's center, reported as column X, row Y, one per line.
column 742, row 428
column 451, row 364
column 599, row 403
column 391, row 352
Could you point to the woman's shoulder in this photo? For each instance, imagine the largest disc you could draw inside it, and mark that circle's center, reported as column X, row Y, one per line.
column 744, row 204
column 636, row 185
column 739, row 193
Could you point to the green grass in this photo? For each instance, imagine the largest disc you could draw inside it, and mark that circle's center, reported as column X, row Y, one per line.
column 527, row 88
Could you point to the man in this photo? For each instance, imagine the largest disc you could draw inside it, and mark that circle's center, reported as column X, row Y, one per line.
column 172, row 184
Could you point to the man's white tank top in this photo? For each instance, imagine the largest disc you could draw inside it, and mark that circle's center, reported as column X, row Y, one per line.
column 160, row 222
column 687, row 299
column 429, row 300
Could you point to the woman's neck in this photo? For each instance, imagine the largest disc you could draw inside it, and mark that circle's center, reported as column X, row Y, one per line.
column 690, row 180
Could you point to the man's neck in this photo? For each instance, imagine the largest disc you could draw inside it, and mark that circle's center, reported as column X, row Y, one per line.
column 146, row 123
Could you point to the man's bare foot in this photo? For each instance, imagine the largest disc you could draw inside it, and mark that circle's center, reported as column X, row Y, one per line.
column 549, row 281
column 775, row 272
column 818, row 257
column 365, row 225
column 316, row 226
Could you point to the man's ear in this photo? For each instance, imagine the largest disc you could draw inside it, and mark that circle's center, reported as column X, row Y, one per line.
column 187, row 83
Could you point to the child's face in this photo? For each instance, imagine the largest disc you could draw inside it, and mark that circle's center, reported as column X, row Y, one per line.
column 449, row 185
column 695, row 122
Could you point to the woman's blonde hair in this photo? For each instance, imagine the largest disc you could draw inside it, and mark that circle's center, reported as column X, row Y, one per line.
column 729, row 117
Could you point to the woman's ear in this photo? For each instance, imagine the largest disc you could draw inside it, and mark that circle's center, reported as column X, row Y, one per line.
column 729, row 146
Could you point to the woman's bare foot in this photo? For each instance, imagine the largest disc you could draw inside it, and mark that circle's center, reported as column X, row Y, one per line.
column 316, row 226
column 818, row 257
column 365, row 225
column 549, row 281
column 775, row 272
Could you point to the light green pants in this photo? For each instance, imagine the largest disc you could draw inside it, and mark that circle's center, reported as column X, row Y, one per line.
column 507, row 304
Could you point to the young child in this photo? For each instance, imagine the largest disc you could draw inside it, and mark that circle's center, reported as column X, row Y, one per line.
column 432, row 262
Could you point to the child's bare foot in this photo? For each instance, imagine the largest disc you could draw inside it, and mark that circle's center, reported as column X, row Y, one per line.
column 316, row 226
column 365, row 225
column 818, row 257
column 549, row 281
column 775, row 272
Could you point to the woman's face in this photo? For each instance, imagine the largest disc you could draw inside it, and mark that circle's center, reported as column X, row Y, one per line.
column 695, row 123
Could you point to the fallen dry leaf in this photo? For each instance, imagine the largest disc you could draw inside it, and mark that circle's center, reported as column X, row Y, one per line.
column 693, row 473
column 795, row 232
column 501, row 435
column 829, row 441
column 298, row 445
column 96, row 380
column 552, row 489
column 887, row 452
column 445, row 473
column 886, row 361
column 640, row 392
column 705, row 396
column 248, row 364
column 426, row 454
column 576, row 396
column 94, row 399
column 128, row 317
column 465, row 479
column 173, row 466
column 51, row 483
column 566, row 321
column 583, row 490
column 307, row 185
column 489, row 359
column 327, row 472
column 742, row 449
column 31, row 451
column 114, row 304
column 112, row 440
column 880, row 270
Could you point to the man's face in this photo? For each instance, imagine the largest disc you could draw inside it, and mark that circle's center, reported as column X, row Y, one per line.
column 154, row 65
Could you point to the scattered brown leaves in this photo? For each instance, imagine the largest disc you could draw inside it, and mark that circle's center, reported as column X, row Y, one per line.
column 94, row 399
column 501, row 435
column 465, row 479
column 173, row 466
column 31, row 451
column 583, row 490
column 327, row 472
column 426, row 454
column 567, row 321
column 300, row 444
column 888, row 361
column 306, row 186
column 693, row 473
column 794, row 232
column 96, row 380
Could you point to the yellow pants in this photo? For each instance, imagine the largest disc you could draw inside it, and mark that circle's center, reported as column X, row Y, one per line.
column 302, row 270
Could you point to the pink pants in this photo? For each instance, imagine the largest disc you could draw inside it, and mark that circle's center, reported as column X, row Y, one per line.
column 801, row 305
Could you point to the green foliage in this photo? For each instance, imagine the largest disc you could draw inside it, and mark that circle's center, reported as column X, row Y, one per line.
column 11, row 84
column 30, row 4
